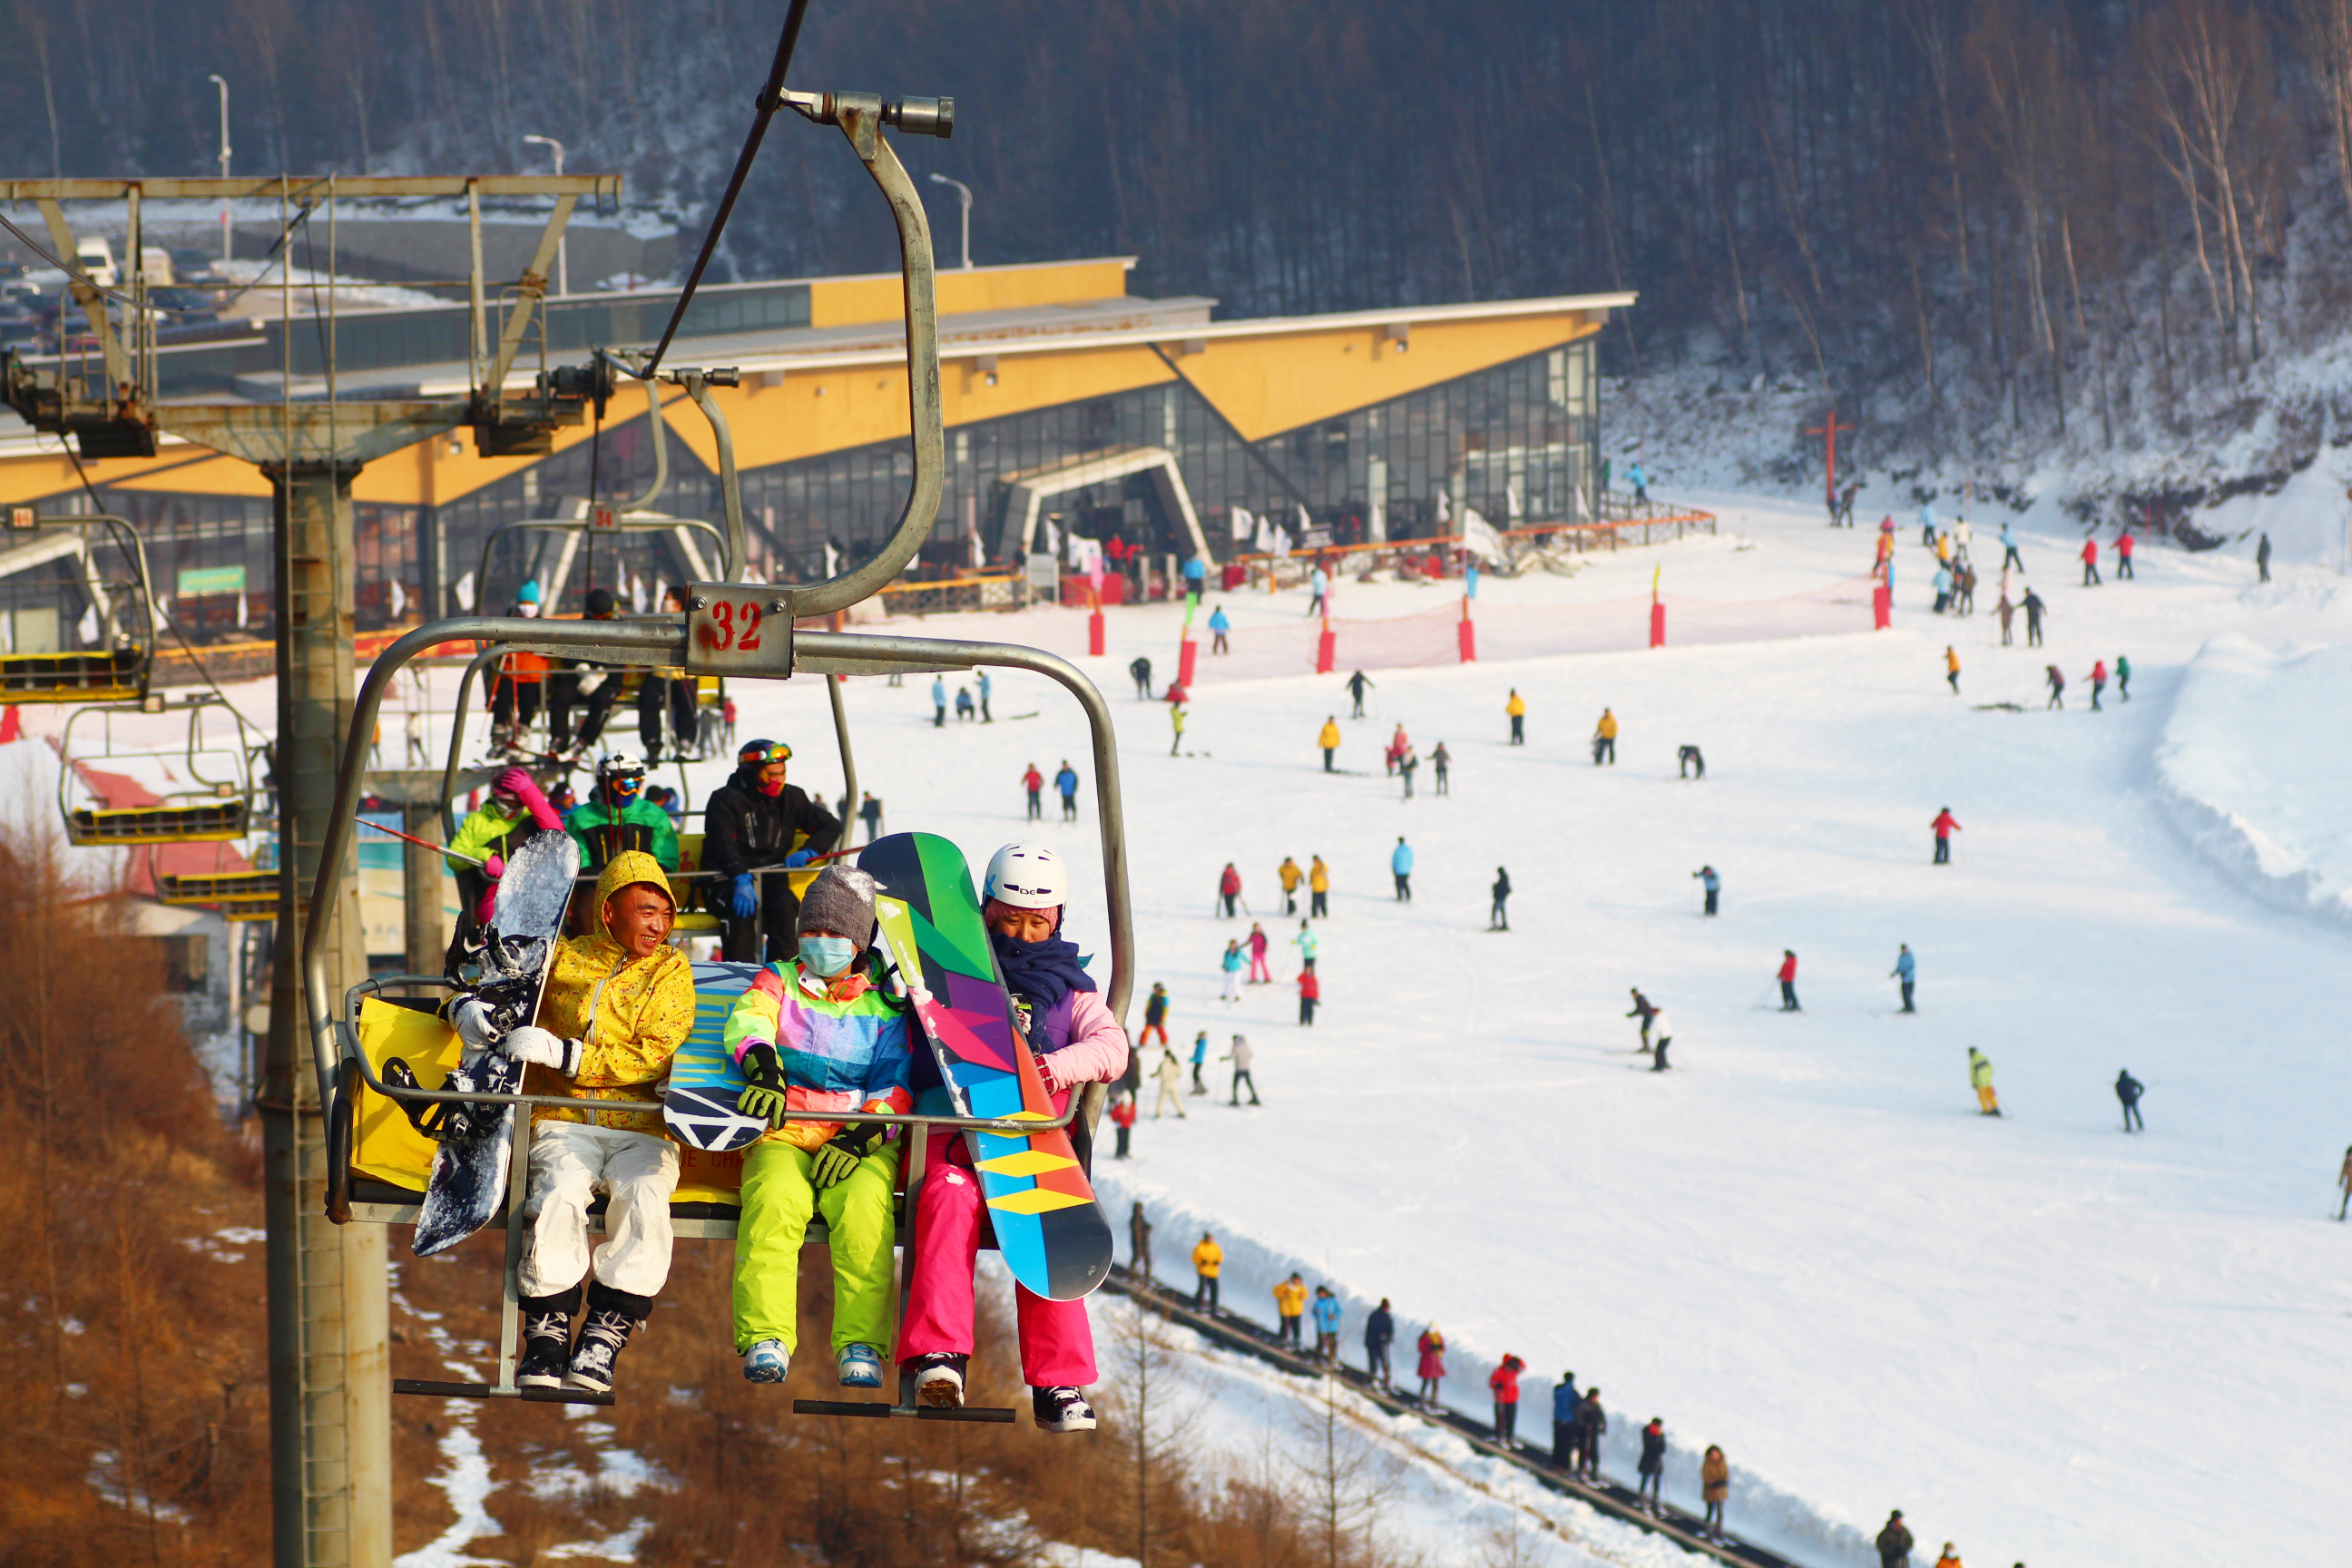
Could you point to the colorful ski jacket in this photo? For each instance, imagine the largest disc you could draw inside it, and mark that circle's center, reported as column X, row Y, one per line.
column 1290, row 1297
column 1980, row 1070
column 1400, row 860
column 1207, row 1258
column 629, row 1015
column 1318, row 877
column 1326, row 1314
column 1290, row 874
column 843, row 1047
column 1564, row 1401
column 1504, row 1380
column 1330, row 737
column 1432, row 1345
column 1517, row 707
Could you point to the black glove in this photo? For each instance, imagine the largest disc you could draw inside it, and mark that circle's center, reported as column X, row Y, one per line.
column 765, row 1097
column 839, row 1155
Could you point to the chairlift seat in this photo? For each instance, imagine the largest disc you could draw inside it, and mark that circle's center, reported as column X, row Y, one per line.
column 188, row 822
column 115, row 676
column 238, row 895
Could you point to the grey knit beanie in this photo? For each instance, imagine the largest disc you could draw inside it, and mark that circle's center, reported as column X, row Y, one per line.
column 841, row 899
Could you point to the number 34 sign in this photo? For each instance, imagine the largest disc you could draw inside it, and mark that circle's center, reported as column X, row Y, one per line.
column 738, row 628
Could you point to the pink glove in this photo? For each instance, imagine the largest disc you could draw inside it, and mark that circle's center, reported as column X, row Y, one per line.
column 494, row 866
column 517, row 783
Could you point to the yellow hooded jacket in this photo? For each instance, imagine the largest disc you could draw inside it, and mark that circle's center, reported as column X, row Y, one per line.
column 632, row 1015
column 1329, row 738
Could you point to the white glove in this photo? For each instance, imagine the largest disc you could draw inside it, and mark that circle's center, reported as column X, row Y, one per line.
column 589, row 682
column 543, row 1048
column 473, row 1023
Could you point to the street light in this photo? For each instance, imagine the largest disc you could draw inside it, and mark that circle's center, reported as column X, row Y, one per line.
column 963, row 194
column 562, row 242
column 223, row 163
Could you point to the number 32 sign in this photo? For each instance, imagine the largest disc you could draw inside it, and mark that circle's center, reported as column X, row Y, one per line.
column 738, row 628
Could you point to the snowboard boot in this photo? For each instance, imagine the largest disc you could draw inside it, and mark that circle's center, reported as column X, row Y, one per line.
column 1061, row 1410
column 613, row 1317
column 546, row 1339
column 939, row 1379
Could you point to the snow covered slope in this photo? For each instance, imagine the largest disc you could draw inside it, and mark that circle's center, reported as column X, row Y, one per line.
column 2043, row 1339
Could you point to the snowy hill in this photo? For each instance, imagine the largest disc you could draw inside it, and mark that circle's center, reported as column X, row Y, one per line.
column 2041, row 1339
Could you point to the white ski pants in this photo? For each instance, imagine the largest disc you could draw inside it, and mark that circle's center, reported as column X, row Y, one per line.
column 571, row 1160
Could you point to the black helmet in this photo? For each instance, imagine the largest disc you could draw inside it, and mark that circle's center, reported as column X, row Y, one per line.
column 600, row 602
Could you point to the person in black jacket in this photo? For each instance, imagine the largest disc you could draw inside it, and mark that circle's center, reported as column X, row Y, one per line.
column 1498, row 917
column 756, row 819
column 1895, row 1541
column 1592, row 1424
column 1379, row 1332
column 1652, row 1467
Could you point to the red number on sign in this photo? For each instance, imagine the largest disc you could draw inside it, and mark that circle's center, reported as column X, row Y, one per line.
column 723, row 612
column 751, row 638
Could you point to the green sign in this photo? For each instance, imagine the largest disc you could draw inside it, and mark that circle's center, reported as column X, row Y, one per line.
column 197, row 581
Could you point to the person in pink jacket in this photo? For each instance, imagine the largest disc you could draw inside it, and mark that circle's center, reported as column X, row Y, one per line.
column 1076, row 1041
column 1259, row 974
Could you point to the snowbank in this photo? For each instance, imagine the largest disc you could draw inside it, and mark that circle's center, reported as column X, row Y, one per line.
column 2251, row 766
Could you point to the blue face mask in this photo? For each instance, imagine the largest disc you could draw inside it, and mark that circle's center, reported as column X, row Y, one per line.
column 827, row 955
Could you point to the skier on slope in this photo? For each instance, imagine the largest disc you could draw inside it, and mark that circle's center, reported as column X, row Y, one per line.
column 1075, row 1042
column 1905, row 970
column 1167, row 1074
column 1306, row 942
column 1592, row 1423
column 1643, row 1009
column 814, row 1032
column 938, row 702
column 1319, row 888
column 2128, row 1089
column 1208, row 1262
column 1200, row 1063
column 1503, row 1383
column 1943, row 827
column 1034, row 784
column 1138, row 1236
column 1787, row 977
column 1176, row 722
column 2344, row 1185
column 2123, row 679
column 1952, row 668
column 1380, row 1333
column 1325, row 1307
column 1310, row 993
column 1290, row 877
column 1400, row 867
column 2123, row 546
column 1980, row 1079
column 1652, row 1466
column 1431, row 1366
column 1357, row 686
column 1517, row 709
column 1229, row 888
column 617, row 1004
column 1122, row 1117
column 1604, row 739
column 2263, row 559
column 1398, row 746
column 2098, row 682
column 1231, row 964
column 1662, row 1035
column 1259, row 974
column 2009, row 555
column 1442, row 761
column 2091, row 563
column 1241, row 1056
column 1066, row 782
column 1714, row 1489
column 2057, row 684
column 1219, row 627
column 1289, row 1308
column 1564, row 1403
column 1407, row 765
column 1155, row 1014
column 1330, row 741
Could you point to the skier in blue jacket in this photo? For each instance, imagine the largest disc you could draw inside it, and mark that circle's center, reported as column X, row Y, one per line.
column 1327, row 1323
column 1906, row 970
column 1400, row 867
column 1218, row 627
column 1565, row 1432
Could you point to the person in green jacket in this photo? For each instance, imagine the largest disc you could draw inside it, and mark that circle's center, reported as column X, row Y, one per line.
column 618, row 816
column 488, row 838
column 1980, row 1079
column 2123, row 678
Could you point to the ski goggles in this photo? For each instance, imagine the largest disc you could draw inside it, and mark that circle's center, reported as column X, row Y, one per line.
column 625, row 784
column 759, row 753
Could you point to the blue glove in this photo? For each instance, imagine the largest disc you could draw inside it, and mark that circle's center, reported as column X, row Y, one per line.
column 744, row 903
column 798, row 857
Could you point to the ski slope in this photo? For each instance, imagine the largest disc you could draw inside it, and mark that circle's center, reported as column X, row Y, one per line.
column 2041, row 1339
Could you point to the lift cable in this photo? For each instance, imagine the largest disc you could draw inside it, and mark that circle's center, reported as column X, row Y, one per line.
column 770, row 100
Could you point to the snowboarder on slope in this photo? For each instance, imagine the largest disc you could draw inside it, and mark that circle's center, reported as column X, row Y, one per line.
column 618, row 1002
column 1980, row 1079
column 1943, row 827
column 1498, row 917
column 2128, row 1089
column 1905, row 970
column 1503, row 1383
column 1787, row 977
column 1400, row 867
column 1330, row 741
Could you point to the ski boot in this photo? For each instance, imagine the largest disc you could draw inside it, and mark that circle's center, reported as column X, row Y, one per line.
column 1061, row 1410
column 939, row 1380
column 613, row 1317
column 767, row 1362
column 546, row 1339
column 857, row 1366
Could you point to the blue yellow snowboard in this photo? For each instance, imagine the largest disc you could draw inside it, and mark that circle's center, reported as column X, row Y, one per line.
column 1048, row 1227
column 704, row 1081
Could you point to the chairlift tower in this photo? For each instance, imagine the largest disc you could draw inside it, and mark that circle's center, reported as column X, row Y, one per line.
column 330, row 1427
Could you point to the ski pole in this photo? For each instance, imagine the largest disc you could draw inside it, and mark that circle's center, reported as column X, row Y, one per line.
column 422, row 844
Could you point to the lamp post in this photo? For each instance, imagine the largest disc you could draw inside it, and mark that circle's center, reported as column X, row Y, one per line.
column 226, row 242
column 963, row 195
column 563, row 245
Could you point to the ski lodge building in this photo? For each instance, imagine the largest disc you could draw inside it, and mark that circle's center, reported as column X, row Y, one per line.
column 1072, row 406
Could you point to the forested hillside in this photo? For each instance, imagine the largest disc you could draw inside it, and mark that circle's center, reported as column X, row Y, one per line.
column 1995, row 222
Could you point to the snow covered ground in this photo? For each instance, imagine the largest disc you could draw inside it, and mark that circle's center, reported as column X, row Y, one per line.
column 2043, row 1339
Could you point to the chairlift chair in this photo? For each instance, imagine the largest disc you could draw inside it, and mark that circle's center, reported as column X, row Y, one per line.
column 117, row 663
column 210, row 811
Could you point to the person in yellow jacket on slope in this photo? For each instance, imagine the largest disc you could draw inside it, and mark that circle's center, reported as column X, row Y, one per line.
column 1518, row 709
column 1329, row 739
column 1208, row 1258
column 1291, row 877
column 1318, row 888
column 1952, row 668
column 1604, row 739
column 1980, row 1078
column 1290, row 1306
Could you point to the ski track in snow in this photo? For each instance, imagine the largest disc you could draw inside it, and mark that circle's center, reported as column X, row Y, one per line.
column 2039, row 1338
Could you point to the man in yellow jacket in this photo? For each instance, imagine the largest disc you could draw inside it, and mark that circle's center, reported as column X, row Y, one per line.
column 1318, row 888
column 618, row 1004
column 1290, row 876
column 1290, row 1305
column 1604, row 739
column 1208, row 1258
column 1330, row 741
column 1517, row 709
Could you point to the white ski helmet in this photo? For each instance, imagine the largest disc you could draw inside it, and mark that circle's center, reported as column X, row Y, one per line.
column 1027, row 877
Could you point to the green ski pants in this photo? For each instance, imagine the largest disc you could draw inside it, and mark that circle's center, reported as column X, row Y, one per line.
column 778, row 1200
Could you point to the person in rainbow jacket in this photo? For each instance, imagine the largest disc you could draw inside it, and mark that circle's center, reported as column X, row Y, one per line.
column 817, row 1032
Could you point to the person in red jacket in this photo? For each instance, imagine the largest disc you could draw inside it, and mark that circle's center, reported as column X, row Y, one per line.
column 1944, row 827
column 1505, row 1384
column 2098, row 682
column 1229, row 888
column 2090, row 562
column 1788, row 981
column 1122, row 1116
column 1310, row 991
column 1034, row 782
column 2123, row 545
